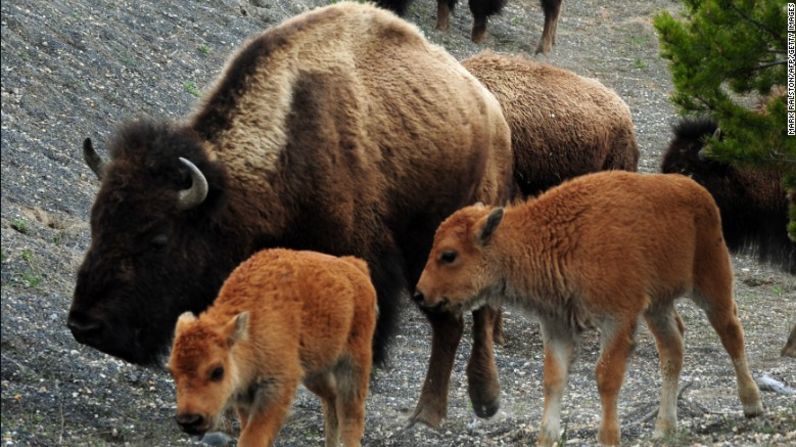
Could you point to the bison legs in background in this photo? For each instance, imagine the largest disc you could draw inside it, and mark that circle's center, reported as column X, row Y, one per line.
column 551, row 10
column 444, row 8
column 482, row 378
column 789, row 350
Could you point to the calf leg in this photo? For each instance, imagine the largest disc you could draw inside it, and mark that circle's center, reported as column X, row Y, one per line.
column 497, row 329
column 724, row 319
column 666, row 326
column 352, row 380
column 617, row 343
column 446, row 332
column 325, row 387
column 559, row 348
column 444, row 8
column 264, row 422
column 482, row 378
column 551, row 8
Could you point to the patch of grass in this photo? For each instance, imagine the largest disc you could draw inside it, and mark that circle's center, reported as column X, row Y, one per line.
column 31, row 276
column 20, row 225
column 640, row 64
column 204, row 49
column 27, row 256
column 58, row 239
column 31, row 279
column 639, row 40
column 191, row 88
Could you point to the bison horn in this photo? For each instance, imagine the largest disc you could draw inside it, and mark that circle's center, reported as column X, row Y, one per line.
column 93, row 160
column 197, row 193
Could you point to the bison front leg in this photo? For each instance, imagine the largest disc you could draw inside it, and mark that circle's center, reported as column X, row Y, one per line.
column 264, row 422
column 482, row 377
column 446, row 332
column 552, row 8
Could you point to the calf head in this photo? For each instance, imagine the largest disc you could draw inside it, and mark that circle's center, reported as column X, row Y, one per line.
column 204, row 369
column 460, row 271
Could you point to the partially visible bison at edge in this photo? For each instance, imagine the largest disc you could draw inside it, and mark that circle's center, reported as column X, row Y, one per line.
column 753, row 202
column 482, row 10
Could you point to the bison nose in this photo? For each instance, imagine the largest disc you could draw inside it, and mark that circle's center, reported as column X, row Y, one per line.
column 84, row 328
column 418, row 297
column 190, row 422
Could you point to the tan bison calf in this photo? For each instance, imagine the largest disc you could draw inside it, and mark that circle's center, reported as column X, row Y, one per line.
column 281, row 318
column 601, row 250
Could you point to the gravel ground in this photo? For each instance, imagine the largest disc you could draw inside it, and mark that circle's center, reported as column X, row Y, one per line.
column 78, row 68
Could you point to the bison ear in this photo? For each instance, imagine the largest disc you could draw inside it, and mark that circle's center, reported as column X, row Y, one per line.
column 238, row 328
column 184, row 319
column 487, row 229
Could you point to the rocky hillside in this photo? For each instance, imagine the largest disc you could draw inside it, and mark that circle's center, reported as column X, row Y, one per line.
column 76, row 68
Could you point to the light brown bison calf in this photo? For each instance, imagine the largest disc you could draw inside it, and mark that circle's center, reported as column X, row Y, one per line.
column 281, row 318
column 602, row 250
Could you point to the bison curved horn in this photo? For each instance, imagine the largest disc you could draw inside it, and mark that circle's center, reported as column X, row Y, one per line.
column 93, row 160
column 197, row 193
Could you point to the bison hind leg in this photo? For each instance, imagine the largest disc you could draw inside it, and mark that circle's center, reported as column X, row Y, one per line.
column 325, row 386
column 352, row 375
column 667, row 327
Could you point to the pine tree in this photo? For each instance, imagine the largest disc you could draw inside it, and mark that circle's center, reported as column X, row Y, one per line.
column 728, row 60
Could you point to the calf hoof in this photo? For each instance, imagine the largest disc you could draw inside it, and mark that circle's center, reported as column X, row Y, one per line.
column 661, row 431
column 608, row 437
column 753, row 410
column 427, row 415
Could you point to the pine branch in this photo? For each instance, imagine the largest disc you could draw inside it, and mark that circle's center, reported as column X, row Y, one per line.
column 779, row 37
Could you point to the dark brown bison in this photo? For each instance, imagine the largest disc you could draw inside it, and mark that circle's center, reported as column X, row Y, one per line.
column 753, row 202
column 341, row 130
column 562, row 125
column 481, row 10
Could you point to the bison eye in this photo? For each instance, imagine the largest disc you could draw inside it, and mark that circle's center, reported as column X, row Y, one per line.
column 447, row 256
column 159, row 241
column 217, row 373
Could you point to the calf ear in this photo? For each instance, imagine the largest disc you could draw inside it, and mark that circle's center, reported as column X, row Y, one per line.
column 488, row 228
column 184, row 319
column 238, row 328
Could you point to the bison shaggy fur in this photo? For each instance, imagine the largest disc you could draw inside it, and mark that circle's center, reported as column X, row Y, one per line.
column 562, row 125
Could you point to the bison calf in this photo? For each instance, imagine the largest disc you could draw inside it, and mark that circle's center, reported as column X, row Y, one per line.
column 281, row 318
column 601, row 250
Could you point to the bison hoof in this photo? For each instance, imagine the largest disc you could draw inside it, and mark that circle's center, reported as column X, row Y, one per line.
column 487, row 409
column 754, row 410
column 425, row 415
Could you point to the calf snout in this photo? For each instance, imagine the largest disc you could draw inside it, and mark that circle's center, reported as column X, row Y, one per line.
column 192, row 423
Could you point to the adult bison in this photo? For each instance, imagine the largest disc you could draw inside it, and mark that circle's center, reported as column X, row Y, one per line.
column 562, row 125
column 481, row 10
column 753, row 202
column 341, row 130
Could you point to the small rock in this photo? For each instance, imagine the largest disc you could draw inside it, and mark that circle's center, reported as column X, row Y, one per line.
column 216, row 439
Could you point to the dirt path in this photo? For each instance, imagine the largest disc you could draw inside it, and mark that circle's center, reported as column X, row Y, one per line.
column 77, row 68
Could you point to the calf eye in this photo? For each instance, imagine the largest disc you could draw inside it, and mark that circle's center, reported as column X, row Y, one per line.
column 447, row 256
column 217, row 373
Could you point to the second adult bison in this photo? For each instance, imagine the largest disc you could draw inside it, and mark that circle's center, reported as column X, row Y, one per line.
column 562, row 125
column 753, row 202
